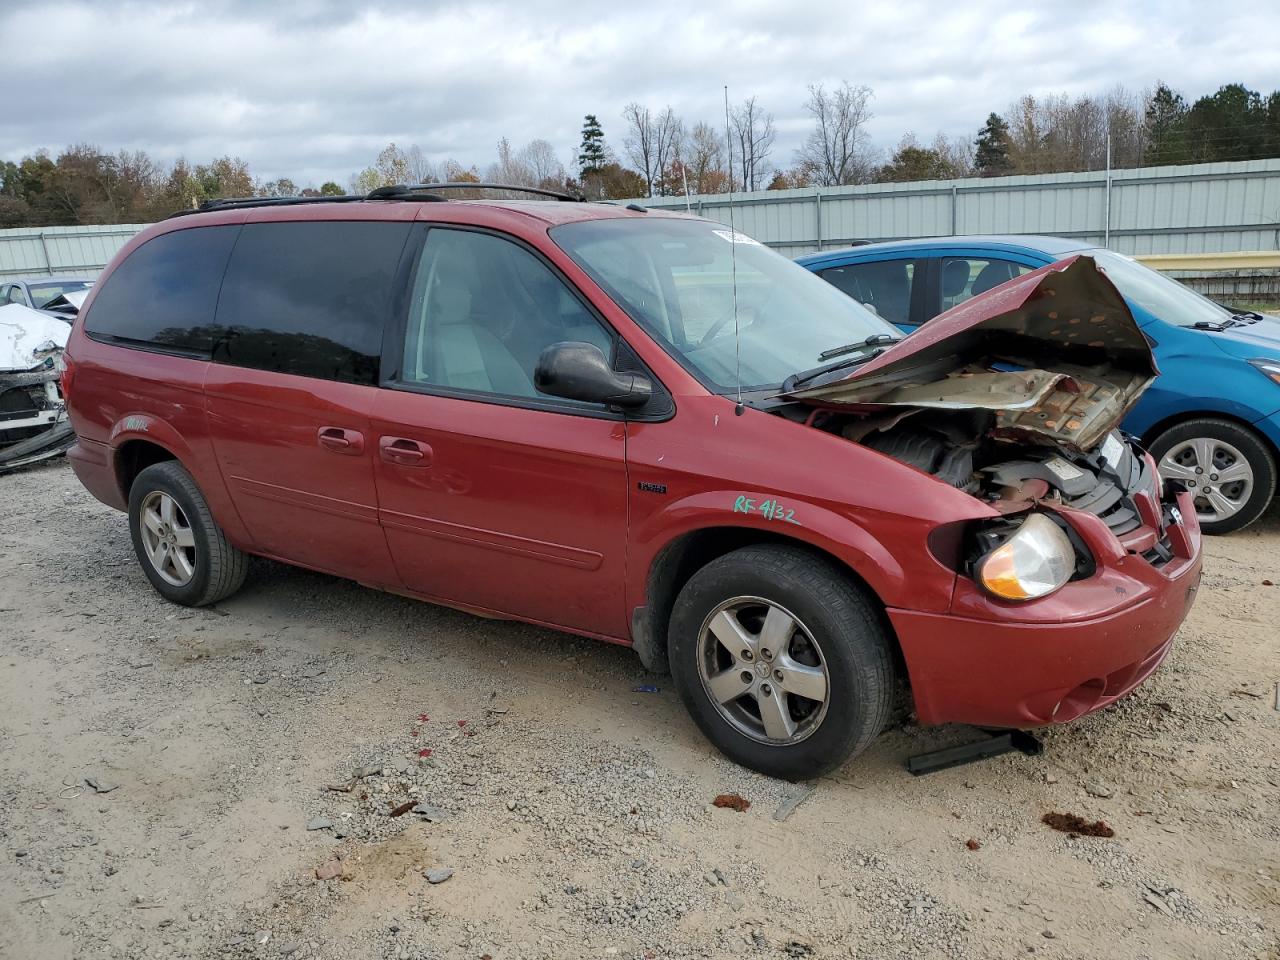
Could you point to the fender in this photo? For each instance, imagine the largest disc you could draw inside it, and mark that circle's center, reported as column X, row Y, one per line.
column 147, row 427
column 836, row 533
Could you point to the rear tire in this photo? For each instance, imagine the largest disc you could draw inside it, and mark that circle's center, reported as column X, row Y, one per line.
column 783, row 662
column 180, row 548
column 1202, row 453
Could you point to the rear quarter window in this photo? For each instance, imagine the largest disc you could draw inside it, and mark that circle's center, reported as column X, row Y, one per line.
column 310, row 298
column 163, row 295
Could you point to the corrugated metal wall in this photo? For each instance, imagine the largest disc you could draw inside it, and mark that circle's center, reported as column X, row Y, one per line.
column 65, row 250
column 1201, row 208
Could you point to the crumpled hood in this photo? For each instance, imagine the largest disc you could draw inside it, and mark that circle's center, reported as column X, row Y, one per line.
column 1055, row 354
column 28, row 337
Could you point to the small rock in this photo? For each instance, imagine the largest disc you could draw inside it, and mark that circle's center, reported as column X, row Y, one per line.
column 363, row 772
column 973, row 844
column 511, row 804
column 438, row 874
column 429, row 813
column 101, row 784
column 329, row 871
column 1049, row 935
column 1050, row 778
column 1095, row 789
column 319, row 823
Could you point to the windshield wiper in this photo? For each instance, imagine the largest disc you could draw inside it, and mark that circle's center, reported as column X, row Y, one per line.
column 1246, row 316
column 804, row 376
column 871, row 341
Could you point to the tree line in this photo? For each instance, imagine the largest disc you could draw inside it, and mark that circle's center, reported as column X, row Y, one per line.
column 660, row 153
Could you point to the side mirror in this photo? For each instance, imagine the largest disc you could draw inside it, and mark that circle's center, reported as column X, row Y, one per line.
column 579, row 371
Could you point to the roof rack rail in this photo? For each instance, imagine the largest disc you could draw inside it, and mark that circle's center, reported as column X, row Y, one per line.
column 240, row 203
column 408, row 192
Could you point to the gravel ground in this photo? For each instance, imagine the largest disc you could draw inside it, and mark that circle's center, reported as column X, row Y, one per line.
column 248, row 760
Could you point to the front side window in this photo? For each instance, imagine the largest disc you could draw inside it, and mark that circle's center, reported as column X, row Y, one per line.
column 882, row 286
column 310, row 298
column 716, row 300
column 163, row 295
column 482, row 311
column 963, row 278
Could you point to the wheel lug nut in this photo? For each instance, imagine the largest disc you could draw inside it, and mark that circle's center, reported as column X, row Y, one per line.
column 766, row 654
column 767, row 690
column 1199, row 470
column 1213, row 476
column 777, row 675
column 746, row 676
column 747, row 656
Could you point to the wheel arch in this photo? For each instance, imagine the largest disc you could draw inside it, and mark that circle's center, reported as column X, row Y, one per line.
column 1186, row 416
column 135, row 455
column 683, row 555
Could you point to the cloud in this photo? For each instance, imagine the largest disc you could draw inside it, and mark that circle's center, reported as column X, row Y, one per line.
column 312, row 90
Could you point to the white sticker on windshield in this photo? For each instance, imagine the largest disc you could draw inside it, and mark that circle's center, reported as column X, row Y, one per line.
column 733, row 236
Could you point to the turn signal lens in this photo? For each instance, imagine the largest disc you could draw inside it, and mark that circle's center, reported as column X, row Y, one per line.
column 1268, row 368
column 1037, row 560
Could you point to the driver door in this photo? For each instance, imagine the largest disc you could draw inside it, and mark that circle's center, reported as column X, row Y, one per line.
column 495, row 497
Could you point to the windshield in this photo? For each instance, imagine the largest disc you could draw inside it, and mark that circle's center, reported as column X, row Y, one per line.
column 42, row 293
column 675, row 277
column 1159, row 295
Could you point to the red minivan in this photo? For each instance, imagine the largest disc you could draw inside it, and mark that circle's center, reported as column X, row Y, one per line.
column 649, row 429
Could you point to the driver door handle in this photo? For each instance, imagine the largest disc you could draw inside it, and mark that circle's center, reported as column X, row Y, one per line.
column 405, row 452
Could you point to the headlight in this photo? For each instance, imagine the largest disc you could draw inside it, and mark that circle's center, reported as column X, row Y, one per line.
column 1269, row 368
column 1034, row 562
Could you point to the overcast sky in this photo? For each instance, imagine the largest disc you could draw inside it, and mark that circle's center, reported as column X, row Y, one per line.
column 313, row 89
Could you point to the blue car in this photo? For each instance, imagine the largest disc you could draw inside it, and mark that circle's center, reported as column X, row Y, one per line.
column 1212, row 418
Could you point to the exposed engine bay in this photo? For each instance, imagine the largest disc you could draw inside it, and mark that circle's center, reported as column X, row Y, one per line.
column 963, row 450
column 33, row 416
column 1012, row 397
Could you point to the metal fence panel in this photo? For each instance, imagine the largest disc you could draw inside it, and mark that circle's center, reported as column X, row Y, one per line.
column 1198, row 208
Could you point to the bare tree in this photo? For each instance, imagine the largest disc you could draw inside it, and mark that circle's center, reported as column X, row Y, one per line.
column 639, row 143
column 421, row 170
column 668, row 136
column 539, row 158
column 509, row 168
column 652, row 142
column 703, row 154
column 837, row 151
column 752, row 133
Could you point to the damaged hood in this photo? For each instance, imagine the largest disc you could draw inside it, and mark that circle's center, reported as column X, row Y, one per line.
column 29, row 337
column 1055, row 355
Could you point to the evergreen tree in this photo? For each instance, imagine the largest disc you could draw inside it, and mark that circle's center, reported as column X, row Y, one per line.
column 593, row 154
column 1166, row 140
column 992, row 156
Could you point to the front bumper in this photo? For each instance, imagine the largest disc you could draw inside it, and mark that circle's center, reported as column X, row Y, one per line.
column 1053, row 660
column 33, row 418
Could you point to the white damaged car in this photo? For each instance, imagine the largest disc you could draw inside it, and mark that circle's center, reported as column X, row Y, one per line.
column 33, row 417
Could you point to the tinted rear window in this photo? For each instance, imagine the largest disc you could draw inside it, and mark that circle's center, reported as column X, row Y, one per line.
column 309, row 298
column 164, row 293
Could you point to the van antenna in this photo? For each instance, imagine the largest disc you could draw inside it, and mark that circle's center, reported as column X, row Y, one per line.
column 733, row 260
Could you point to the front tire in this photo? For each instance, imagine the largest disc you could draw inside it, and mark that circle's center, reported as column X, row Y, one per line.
column 1227, row 467
column 783, row 662
column 180, row 548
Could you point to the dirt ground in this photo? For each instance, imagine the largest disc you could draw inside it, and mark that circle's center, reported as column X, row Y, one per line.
column 574, row 811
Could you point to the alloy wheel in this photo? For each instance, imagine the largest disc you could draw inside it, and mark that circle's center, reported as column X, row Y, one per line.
column 764, row 670
column 167, row 538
